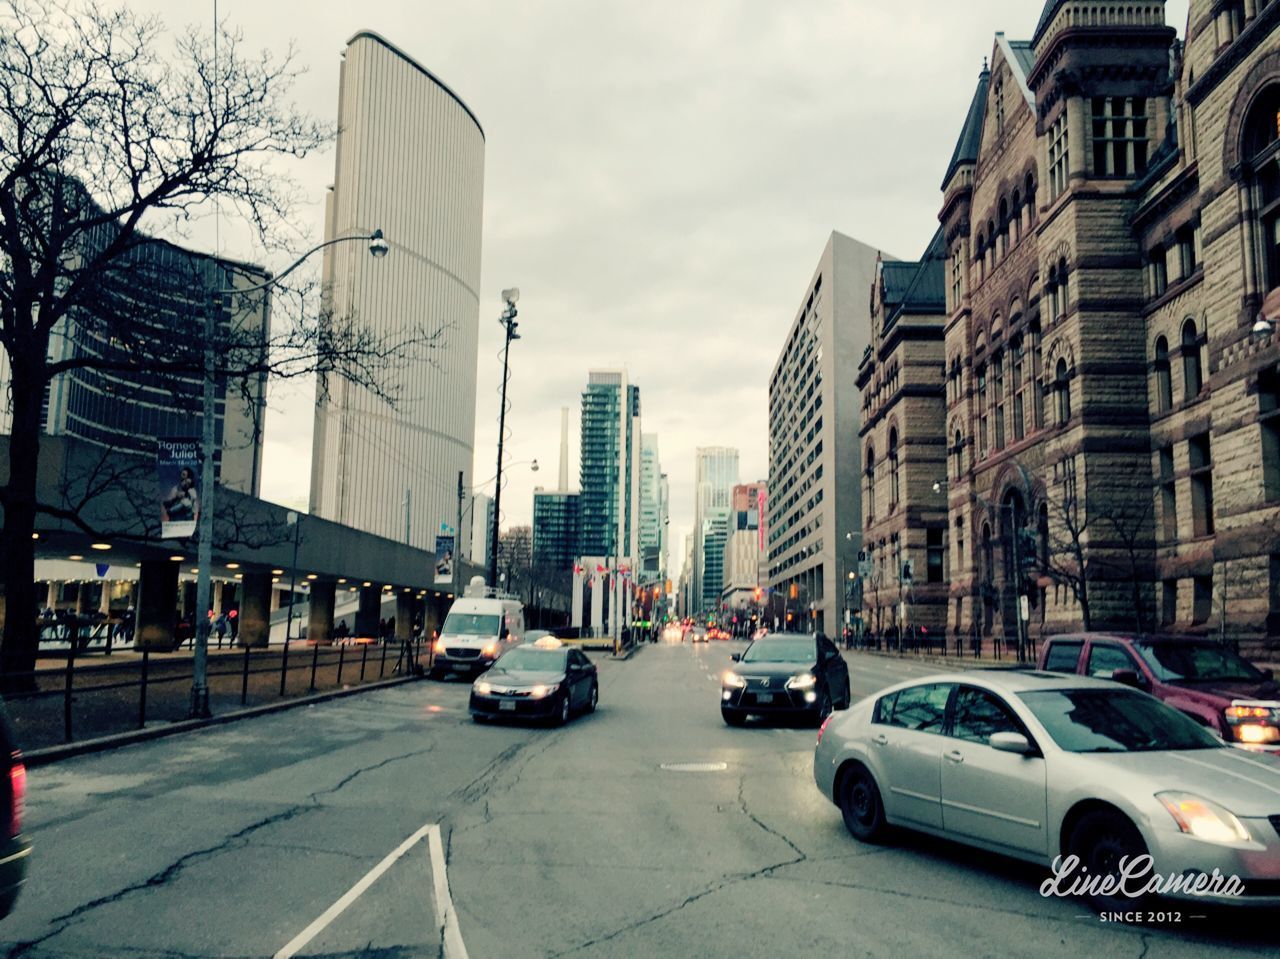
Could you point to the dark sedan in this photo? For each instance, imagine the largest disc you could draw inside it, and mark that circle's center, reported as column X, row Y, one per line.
column 785, row 674
column 14, row 848
column 542, row 681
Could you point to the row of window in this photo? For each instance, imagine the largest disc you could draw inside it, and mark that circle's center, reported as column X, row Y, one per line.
column 1192, row 368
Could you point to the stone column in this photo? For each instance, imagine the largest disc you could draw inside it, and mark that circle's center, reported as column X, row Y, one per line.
column 53, row 595
column 255, row 610
column 370, row 611
column 320, row 623
column 83, row 602
column 157, row 600
column 104, row 600
column 1075, row 138
column 406, row 607
column 217, row 599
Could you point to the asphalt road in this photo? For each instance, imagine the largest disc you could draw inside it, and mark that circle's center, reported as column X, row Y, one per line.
column 387, row 824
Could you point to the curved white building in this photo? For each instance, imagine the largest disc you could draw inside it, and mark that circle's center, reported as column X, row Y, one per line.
column 410, row 160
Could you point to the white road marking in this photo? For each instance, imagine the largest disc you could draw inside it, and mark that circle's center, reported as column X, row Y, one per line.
column 453, row 946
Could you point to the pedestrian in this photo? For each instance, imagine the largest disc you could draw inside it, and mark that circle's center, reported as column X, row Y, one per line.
column 233, row 623
column 391, row 627
column 220, row 627
column 126, row 624
column 382, row 630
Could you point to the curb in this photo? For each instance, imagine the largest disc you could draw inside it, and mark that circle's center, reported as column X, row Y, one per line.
column 626, row 653
column 53, row 754
column 955, row 662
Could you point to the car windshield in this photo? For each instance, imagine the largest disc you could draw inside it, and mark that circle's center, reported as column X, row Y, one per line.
column 798, row 650
column 1114, row 721
column 1197, row 663
column 472, row 624
column 526, row 659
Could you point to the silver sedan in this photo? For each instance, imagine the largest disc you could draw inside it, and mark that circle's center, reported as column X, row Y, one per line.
column 1123, row 797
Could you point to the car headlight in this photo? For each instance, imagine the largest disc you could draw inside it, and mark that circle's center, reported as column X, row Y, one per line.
column 803, row 681
column 734, row 681
column 483, row 688
column 490, row 650
column 1253, row 724
column 439, row 645
column 541, row 691
column 1202, row 818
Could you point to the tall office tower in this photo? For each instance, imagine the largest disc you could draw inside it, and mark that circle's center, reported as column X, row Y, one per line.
column 815, row 500
column 410, row 161
column 715, row 474
column 156, row 292
column 744, row 545
column 555, row 530
column 664, row 526
column 652, row 515
column 715, row 536
column 609, row 474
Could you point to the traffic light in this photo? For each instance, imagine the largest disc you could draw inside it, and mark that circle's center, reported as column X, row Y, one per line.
column 794, row 592
column 758, row 594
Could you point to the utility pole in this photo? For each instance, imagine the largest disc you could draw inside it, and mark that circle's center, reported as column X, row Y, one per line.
column 457, row 543
column 508, row 320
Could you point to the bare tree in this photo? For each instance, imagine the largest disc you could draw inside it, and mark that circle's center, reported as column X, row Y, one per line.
column 105, row 142
column 1131, row 526
column 1067, row 560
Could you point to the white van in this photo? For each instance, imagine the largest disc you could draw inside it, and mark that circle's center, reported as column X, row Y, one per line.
column 482, row 625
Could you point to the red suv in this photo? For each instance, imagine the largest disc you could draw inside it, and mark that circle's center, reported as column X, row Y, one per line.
column 1200, row 677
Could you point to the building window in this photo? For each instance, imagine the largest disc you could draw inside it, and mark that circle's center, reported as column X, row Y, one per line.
column 1169, row 603
column 997, row 372
column 1269, row 422
column 1203, row 599
column 957, row 456
column 1017, row 374
column 1192, row 372
column 1062, row 391
column 1031, row 199
column 1262, row 144
column 999, row 108
column 1164, row 378
column 1064, row 306
column 934, row 557
column 1158, row 271
column 1058, row 156
column 895, row 476
column 982, row 413
column 1199, row 450
column 870, row 494
column 957, row 271
column 1119, row 136
column 1168, row 496
column 1037, row 374
column 1186, row 241
column 958, row 564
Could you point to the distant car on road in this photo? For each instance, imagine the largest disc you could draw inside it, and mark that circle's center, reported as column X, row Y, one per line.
column 699, row 634
column 15, row 850
column 543, row 680
column 794, row 674
column 1199, row 677
column 1035, row 765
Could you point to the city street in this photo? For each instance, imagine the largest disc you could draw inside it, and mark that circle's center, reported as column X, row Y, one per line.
column 442, row 837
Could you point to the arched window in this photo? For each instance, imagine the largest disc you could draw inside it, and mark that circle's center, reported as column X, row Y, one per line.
column 1062, row 390
column 991, row 242
column 1192, row 371
column 1031, row 199
column 1016, row 220
column 997, row 393
column 1004, row 226
column 957, row 455
column 1063, row 304
column 1164, row 381
column 1018, row 378
column 895, row 486
column 870, row 494
column 1037, row 373
column 1262, row 147
column 1051, row 293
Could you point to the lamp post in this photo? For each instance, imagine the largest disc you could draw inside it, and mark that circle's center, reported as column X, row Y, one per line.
column 378, row 248
column 508, row 321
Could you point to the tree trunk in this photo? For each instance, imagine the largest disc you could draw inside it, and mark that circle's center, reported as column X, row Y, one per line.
column 21, row 633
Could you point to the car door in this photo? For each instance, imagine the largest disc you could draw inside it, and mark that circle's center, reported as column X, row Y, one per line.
column 909, row 741
column 579, row 678
column 835, row 671
column 987, row 794
column 1106, row 658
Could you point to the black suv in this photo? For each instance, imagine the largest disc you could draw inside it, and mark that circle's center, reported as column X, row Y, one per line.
column 794, row 674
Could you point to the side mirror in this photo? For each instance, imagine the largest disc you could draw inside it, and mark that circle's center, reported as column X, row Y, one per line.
column 736, row 657
column 1010, row 743
column 575, row 667
column 504, row 633
column 1128, row 677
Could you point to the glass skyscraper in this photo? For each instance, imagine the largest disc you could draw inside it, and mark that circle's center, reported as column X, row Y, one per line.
column 609, row 474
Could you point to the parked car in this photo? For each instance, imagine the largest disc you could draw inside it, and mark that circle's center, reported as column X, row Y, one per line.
column 543, row 680
column 15, row 850
column 482, row 625
column 1035, row 765
column 795, row 674
column 1199, row 677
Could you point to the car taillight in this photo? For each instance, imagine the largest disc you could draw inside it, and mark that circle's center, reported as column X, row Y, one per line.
column 17, row 793
column 823, row 728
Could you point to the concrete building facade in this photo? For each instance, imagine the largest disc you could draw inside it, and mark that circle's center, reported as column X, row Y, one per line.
column 410, row 160
column 814, row 458
column 715, row 474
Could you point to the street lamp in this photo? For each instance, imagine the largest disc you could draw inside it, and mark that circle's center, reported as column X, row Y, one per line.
column 378, row 248
column 508, row 321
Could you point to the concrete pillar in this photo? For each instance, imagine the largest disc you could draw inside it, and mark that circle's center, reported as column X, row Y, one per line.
column 320, row 623
column 255, row 610
column 157, row 600
column 597, row 603
column 406, row 606
column 217, row 600
column 370, row 611
column 575, row 615
column 83, row 602
column 54, row 594
column 104, row 600
column 1075, row 138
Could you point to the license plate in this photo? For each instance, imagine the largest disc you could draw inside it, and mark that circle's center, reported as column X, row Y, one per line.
column 764, row 698
column 507, row 705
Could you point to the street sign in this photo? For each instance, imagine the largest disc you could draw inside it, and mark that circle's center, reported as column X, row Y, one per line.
column 1024, row 608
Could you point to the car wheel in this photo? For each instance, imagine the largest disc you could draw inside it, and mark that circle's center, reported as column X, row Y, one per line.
column 562, row 716
column 823, row 709
column 594, row 699
column 733, row 717
column 1101, row 839
column 861, row 806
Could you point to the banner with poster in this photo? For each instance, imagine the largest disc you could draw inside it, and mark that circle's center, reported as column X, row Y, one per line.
column 178, row 482
column 444, row 560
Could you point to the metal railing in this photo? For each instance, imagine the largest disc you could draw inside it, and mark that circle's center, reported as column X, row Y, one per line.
column 74, row 701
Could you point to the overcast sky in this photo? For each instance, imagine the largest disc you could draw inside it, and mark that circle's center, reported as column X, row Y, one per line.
column 661, row 178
